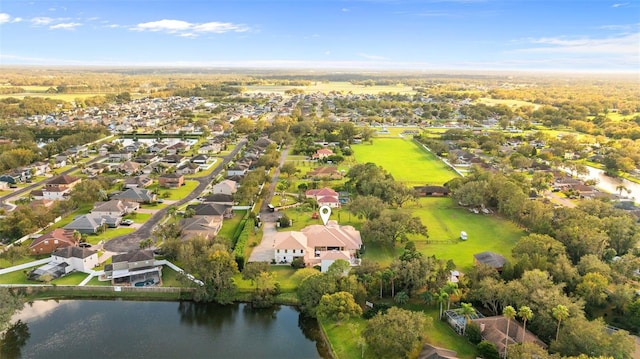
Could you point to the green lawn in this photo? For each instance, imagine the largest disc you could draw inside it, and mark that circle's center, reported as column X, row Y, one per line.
column 445, row 221
column 95, row 281
column 17, row 277
column 109, row 234
column 4, row 263
column 177, row 193
column 206, row 172
column 302, row 218
column 284, row 274
column 83, row 209
column 229, row 225
column 170, row 278
column 138, row 217
column 405, row 160
column 71, row 279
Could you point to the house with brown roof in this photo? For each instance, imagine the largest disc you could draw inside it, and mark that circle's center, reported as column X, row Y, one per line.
column 57, row 188
column 53, row 240
column 322, row 153
column 491, row 259
column 494, row 330
column 141, row 181
column 171, row 180
column 432, row 191
column 432, row 352
column 203, row 226
column 325, row 172
column 318, row 245
column 130, row 168
column 324, row 196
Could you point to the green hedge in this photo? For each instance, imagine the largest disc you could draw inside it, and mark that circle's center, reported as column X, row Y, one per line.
column 241, row 243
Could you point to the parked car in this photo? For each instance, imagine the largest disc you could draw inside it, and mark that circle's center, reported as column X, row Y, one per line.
column 84, row 245
column 127, row 222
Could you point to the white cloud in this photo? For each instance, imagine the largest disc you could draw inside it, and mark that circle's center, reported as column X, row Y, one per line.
column 626, row 43
column 344, row 9
column 371, row 57
column 41, row 21
column 188, row 29
column 65, row 26
column 620, row 4
column 6, row 18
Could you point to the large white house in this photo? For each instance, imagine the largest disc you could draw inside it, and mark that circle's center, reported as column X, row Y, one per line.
column 318, row 245
column 78, row 259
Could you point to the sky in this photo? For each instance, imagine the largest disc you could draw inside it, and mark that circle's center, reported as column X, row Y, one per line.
column 426, row 35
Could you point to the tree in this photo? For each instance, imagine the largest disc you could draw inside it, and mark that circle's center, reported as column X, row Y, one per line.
column 487, row 350
column 526, row 314
column 593, row 289
column 395, row 333
column 467, row 311
column 401, row 297
column 253, row 269
column 393, row 226
column 442, row 297
column 368, row 207
column 560, row 312
column 289, row 169
column 452, row 289
column 527, row 351
column 508, row 312
column 13, row 339
column 311, row 290
column 10, row 303
column 338, row 306
column 14, row 253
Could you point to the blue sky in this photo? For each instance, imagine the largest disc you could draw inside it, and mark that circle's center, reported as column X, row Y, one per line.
column 557, row 35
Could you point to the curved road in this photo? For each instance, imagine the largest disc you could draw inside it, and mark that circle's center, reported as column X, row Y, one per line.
column 132, row 241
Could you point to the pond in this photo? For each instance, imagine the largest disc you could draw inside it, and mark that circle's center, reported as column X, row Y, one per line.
column 138, row 329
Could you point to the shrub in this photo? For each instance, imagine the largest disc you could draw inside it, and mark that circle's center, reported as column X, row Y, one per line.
column 473, row 333
column 487, row 350
column 298, row 262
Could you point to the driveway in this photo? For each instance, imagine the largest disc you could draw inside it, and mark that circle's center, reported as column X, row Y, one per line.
column 263, row 252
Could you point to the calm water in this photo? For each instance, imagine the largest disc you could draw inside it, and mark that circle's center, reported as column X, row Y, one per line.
column 130, row 329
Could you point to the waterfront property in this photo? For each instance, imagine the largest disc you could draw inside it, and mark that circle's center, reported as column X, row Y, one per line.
column 318, row 245
column 133, row 267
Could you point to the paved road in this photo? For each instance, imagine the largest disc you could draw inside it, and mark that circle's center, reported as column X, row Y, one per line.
column 132, row 241
column 263, row 252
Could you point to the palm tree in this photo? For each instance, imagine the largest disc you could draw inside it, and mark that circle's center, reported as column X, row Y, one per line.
column 560, row 312
column 525, row 313
column 467, row 311
column 401, row 297
column 508, row 312
column 621, row 188
column 452, row 289
column 442, row 297
column 77, row 236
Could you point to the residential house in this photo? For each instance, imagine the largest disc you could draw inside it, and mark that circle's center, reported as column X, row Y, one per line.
column 322, row 153
column 172, row 159
column 133, row 268
column 202, row 226
column 146, row 158
column 178, row 147
column 130, row 168
column 220, row 198
column 188, row 168
column 325, row 172
column 211, row 210
column 40, row 168
column 88, row 223
column 158, row 147
column 324, row 196
column 114, row 208
column 10, row 179
column 491, row 259
column 78, row 259
column 139, row 195
column 432, row 191
column 58, row 188
column 171, row 180
column 120, row 156
column 138, row 181
column 210, row 149
column 494, row 330
column 318, row 245
column 238, row 170
column 225, row 187
column 432, row 352
column 51, row 241
column 200, row 159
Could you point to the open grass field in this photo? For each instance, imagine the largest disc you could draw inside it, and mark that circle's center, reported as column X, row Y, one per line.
column 405, row 160
column 170, row 278
column 138, row 217
column 444, row 222
column 109, row 234
column 284, row 276
column 175, row 194
column 17, row 277
column 327, row 87
column 95, row 281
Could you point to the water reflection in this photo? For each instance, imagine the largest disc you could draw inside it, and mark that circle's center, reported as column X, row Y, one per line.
column 13, row 340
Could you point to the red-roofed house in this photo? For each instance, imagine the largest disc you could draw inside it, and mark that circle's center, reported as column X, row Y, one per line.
column 322, row 153
column 325, row 197
column 49, row 242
